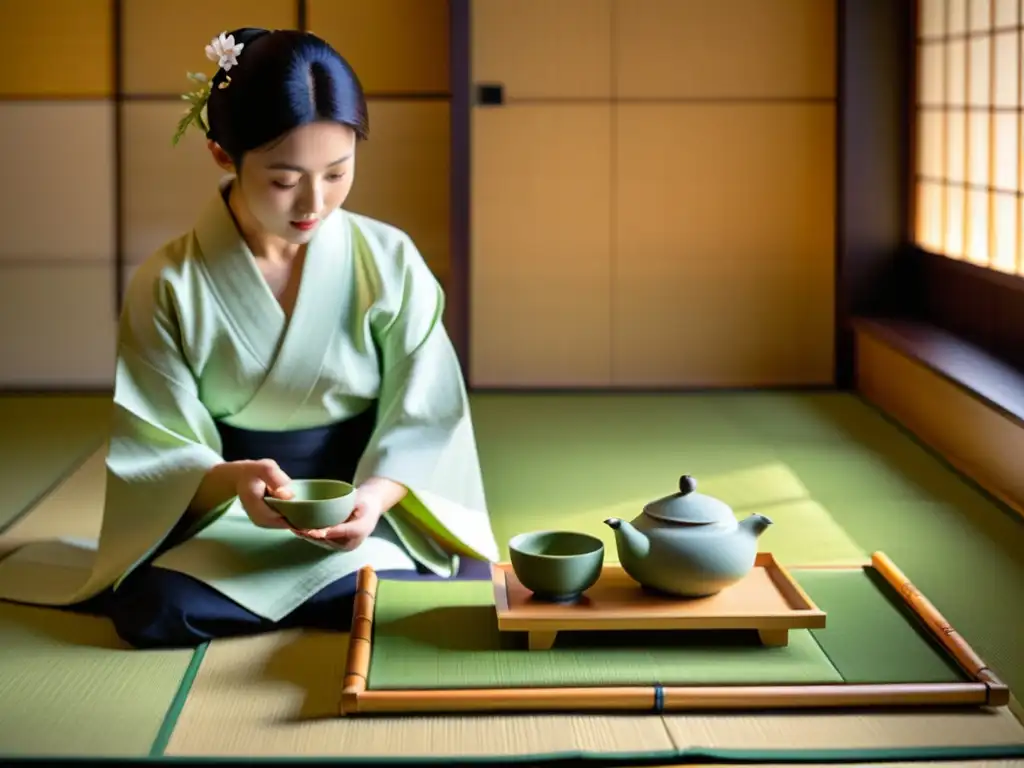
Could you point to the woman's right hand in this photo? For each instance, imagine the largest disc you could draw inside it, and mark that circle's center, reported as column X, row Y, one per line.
column 256, row 479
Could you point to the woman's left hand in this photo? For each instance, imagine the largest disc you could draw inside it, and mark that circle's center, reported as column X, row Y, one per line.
column 373, row 498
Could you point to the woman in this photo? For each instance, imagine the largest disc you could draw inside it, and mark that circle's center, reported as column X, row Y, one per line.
column 283, row 337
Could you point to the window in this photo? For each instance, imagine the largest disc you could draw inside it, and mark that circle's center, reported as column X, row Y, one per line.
column 969, row 132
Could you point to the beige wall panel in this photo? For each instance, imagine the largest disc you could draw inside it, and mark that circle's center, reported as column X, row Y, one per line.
column 163, row 41
column 56, row 48
column 725, row 48
column 541, row 259
column 543, row 48
column 165, row 186
column 59, row 325
column 393, row 45
column 58, row 171
column 977, row 440
column 723, row 269
column 402, row 174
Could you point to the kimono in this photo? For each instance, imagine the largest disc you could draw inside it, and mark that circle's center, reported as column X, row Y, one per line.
column 206, row 352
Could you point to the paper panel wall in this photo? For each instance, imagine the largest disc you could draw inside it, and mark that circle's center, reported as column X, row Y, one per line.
column 724, row 232
column 163, row 41
column 58, row 161
column 540, row 280
column 56, row 48
column 394, row 46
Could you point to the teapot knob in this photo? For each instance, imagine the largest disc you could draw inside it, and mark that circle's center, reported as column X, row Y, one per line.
column 687, row 484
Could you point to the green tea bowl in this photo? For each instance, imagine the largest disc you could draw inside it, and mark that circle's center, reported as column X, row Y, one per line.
column 557, row 566
column 316, row 503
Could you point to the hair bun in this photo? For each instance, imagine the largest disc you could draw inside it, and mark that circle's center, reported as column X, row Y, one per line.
column 283, row 79
column 248, row 34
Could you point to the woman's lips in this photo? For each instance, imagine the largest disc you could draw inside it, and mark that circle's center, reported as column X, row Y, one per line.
column 305, row 225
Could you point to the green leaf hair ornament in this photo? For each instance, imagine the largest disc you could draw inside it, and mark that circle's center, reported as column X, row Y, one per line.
column 224, row 50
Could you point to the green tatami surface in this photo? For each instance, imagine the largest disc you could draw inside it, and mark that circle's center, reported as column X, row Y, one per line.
column 837, row 478
column 42, row 438
column 430, row 635
column 870, row 636
column 70, row 687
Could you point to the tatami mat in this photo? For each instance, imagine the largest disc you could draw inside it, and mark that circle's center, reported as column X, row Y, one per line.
column 853, row 483
column 73, row 508
column 68, row 685
column 277, row 695
column 923, row 764
column 42, row 437
column 844, row 732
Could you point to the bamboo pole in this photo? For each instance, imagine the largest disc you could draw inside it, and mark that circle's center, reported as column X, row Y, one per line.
column 986, row 690
column 942, row 630
column 673, row 699
column 360, row 642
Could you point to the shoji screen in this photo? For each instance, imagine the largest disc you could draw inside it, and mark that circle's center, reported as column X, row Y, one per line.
column 969, row 131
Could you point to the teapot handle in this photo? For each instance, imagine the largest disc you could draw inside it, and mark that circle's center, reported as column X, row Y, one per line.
column 687, row 484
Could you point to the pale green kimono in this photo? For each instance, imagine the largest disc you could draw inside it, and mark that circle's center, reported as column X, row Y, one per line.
column 202, row 338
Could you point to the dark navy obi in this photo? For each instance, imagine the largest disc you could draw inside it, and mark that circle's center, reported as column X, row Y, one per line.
column 331, row 452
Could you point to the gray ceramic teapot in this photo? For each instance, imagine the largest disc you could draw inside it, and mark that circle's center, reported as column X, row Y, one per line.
column 687, row 544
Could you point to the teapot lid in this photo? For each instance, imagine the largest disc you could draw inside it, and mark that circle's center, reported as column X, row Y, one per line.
column 688, row 506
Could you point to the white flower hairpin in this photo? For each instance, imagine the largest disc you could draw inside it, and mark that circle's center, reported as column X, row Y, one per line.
column 224, row 50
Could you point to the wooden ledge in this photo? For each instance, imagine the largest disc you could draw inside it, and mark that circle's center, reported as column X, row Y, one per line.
column 979, row 374
column 957, row 399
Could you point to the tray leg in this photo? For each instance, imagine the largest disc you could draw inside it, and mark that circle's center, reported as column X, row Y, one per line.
column 541, row 641
column 774, row 637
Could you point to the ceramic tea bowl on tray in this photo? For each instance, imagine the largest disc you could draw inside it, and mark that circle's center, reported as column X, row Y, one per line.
column 557, row 566
column 316, row 503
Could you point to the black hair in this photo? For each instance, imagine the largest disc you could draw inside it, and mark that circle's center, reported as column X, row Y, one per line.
column 283, row 79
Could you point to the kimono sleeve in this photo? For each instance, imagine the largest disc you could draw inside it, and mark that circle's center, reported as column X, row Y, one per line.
column 163, row 439
column 162, row 442
column 424, row 437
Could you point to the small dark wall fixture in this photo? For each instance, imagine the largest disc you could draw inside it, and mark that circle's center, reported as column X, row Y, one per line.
column 490, row 94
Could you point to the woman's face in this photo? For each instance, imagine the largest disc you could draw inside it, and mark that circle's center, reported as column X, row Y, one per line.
column 290, row 186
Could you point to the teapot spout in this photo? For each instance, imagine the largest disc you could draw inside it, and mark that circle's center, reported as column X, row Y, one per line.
column 628, row 540
column 756, row 524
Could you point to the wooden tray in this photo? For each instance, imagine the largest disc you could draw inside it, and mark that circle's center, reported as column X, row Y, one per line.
column 983, row 688
column 768, row 600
